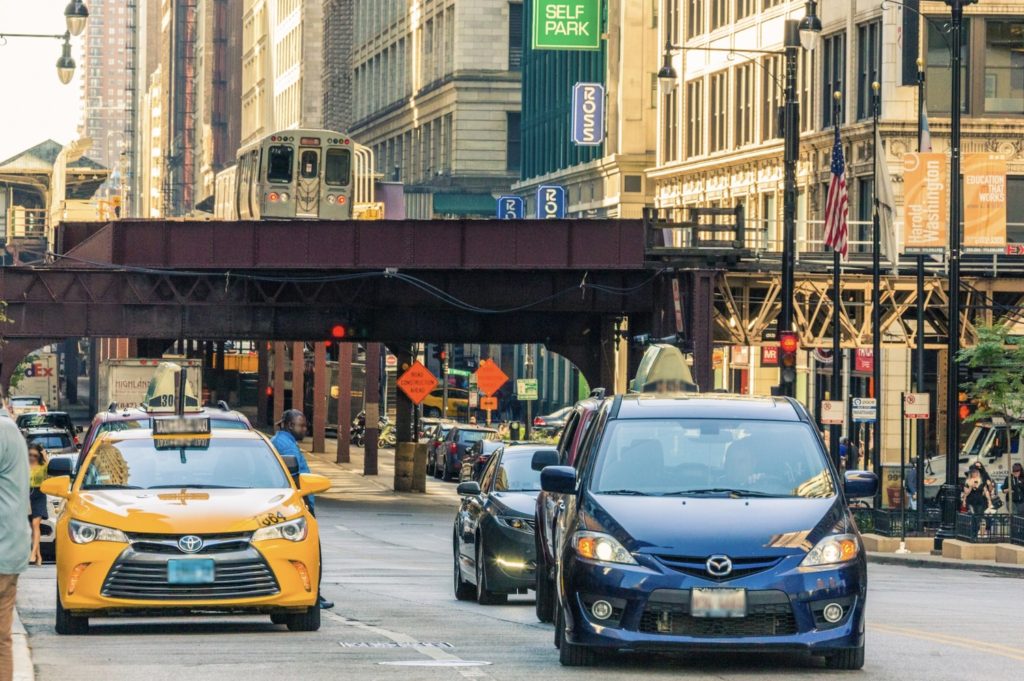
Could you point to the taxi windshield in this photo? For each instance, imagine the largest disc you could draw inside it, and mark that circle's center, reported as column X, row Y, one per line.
column 211, row 464
column 135, row 424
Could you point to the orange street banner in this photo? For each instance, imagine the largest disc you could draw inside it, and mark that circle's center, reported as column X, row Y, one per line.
column 926, row 207
column 984, row 203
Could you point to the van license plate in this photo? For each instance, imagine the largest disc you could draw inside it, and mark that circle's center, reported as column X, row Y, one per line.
column 199, row 571
column 718, row 603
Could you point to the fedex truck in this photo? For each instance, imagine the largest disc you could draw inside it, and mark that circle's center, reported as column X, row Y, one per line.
column 123, row 382
column 41, row 379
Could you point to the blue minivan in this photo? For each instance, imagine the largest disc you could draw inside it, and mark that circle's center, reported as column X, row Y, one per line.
column 708, row 523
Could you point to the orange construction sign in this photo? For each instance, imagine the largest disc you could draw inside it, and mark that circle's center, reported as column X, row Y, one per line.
column 490, row 377
column 417, row 382
column 489, row 404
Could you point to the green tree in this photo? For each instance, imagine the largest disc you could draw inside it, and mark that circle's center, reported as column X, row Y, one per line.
column 998, row 359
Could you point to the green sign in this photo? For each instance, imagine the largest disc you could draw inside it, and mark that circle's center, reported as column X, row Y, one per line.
column 566, row 24
column 526, row 389
column 458, row 372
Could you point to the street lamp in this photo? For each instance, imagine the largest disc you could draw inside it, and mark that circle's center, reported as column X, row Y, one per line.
column 810, row 26
column 76, row 14
column 66, row 64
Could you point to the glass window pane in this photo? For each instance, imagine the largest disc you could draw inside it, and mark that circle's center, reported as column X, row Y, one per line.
column 1004, row 66
column 279, row 163
column 310, row 166
column 338, row 168
column 938, row 74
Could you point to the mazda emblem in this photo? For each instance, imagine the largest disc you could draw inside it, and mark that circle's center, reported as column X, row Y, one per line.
column 192, row 544
column 719, row 566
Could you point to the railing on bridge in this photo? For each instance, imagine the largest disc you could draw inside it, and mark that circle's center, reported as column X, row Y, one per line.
column 26, row 223
column 672, row 231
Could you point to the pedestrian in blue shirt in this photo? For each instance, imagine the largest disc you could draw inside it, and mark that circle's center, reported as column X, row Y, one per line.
column 292, row 431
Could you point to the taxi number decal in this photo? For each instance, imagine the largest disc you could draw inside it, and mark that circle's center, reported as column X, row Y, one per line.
column 272, row 519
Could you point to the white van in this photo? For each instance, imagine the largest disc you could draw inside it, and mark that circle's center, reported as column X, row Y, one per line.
column 987, row 444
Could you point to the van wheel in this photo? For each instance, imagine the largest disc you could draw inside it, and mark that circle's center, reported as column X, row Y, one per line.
column 67, row 624
column 307, row 621
column 570, row 654
column 849, row 659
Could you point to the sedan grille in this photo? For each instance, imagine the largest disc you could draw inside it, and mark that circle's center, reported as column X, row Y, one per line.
column 168, row 543
column 696, row 566
column 147, row 580
column 769, row 613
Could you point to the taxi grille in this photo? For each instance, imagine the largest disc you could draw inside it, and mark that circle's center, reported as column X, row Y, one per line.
column 147, row 580
column 168, row 543
column 769, row 613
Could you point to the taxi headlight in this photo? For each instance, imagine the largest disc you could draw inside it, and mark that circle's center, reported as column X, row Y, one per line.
column 86, row 533
column 835, row 549
column 294, row 530
column 601, row 547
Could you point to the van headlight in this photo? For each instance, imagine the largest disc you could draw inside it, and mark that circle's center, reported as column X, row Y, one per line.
column 293, row 530
column 601, row 547
column 834, row 549
column 86, row 533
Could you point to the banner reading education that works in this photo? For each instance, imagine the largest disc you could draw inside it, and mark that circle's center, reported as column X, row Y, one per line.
column 926, row 210
column 984, row 203
column 566, row 24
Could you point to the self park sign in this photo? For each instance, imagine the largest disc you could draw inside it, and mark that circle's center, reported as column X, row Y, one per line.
column 566, row 24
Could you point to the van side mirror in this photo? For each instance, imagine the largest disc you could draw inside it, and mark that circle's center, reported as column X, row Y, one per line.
column 558, row 479
column 860, row 484
column 543, row 458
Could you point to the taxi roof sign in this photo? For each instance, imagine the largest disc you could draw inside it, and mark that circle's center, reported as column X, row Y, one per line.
column 162, row 394
column 194, row 425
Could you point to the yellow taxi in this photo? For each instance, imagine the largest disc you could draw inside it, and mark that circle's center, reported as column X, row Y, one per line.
column 180, row 519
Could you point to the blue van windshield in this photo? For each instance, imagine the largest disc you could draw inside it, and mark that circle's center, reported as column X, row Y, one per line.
column 684, row 457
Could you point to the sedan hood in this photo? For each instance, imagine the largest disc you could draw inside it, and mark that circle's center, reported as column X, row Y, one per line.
column 524, row 503
column 703, row 527
column 185, row 511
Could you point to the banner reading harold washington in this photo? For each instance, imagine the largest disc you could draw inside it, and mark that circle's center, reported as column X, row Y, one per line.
column 926, row 208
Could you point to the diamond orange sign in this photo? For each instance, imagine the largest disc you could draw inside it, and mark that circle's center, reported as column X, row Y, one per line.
column 490, row 377
column 417, row 382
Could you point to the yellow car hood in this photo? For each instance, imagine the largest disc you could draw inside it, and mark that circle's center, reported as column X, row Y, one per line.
column 187, row 511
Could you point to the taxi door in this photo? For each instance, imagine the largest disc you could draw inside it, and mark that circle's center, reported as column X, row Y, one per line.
column 307, row 189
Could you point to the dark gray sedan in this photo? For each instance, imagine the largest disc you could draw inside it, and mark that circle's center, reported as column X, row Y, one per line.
column 494, row 550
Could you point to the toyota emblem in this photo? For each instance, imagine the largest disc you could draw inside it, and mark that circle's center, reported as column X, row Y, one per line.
column 193, row 544
column 719, row 566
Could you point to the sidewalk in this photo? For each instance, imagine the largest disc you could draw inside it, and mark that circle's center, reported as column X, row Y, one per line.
column 23, row 669
column 926, row 560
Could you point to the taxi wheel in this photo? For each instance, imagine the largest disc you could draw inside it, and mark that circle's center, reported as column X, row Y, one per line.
column 849, row 659
column 485, row 596
column 570, row 654
column 279, row 618
column 67, row 624
column 307, row 621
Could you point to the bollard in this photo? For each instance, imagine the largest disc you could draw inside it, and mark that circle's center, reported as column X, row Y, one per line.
column 419, row 469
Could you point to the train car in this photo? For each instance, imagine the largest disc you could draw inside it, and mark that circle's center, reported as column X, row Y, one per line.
column 304, row 174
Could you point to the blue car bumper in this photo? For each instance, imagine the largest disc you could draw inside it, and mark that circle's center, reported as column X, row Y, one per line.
column 651, row 608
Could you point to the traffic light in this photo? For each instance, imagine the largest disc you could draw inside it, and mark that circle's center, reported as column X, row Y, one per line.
column 339, row 332
column 439, row 353
column 332, row 350
column 967, row 407
column 789, row 343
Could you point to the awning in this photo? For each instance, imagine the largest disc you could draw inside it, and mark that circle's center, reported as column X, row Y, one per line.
column 465, row 204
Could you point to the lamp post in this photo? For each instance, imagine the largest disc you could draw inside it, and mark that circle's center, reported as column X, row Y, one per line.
column 876, row 300
column 797, row 34
column 76, row 15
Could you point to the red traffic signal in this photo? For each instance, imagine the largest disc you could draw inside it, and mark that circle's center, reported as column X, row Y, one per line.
column 789, row 341
column 338, row 331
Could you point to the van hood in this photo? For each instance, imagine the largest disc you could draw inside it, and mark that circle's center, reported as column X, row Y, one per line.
column 703, row 527
column 185, row 511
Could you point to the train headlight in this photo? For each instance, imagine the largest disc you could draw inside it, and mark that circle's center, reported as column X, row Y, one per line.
column 284, row 196
column 330, row 198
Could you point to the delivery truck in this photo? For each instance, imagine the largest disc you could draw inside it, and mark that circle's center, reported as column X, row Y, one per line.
column 123, row 382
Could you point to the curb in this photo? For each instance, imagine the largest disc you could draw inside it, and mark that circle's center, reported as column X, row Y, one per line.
column 23, row 669
column 923, row 562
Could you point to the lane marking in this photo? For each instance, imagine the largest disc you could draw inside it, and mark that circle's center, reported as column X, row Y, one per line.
column 960, row 642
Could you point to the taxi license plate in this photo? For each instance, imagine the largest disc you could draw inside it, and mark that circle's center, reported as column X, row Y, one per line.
column 198, row 571
column 722, row 603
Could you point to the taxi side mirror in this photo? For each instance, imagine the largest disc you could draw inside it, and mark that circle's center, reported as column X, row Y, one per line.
column 58, row 467
column 57, row 487
column 311, row 483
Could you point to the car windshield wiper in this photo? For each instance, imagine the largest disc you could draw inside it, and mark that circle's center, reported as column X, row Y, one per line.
column 624, row 492
column 721, row 490
column 194, row 487
column 90, row 488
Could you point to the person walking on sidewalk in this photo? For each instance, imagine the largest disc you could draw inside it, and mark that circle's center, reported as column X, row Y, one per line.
column 37, row 500
column 291, row 431
column 14, row 532
column 1014, row 490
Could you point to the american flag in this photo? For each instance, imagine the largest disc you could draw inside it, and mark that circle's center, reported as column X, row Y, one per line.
column 837, row 207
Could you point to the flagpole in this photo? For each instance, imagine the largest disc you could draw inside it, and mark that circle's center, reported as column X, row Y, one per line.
column 837, row 352
column 876, row 302
column 919, row 350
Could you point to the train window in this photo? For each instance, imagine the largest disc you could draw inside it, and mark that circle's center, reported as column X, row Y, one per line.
column 280, row 160
column 309, row 164
column 338, row 167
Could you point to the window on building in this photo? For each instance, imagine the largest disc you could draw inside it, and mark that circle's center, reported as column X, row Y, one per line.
column 513, row 141
column 670, row 126
column 805, row 85
column 694, row 18
column 694, row 118
column 768, row 4
column 937, row 68
column 744, row 104
column 515, row 36
column 869, row 67
column 772, row 78
column 719, row 13
column 719, row 107
column 744, row 8
column 833, row 75
column 1015, row 210
column 672, row 21
column 1004, row 66
column 865, row 202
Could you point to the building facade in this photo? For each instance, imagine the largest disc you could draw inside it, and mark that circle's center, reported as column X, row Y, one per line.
column 436, row 87
column 339, row 17
column 606, row 181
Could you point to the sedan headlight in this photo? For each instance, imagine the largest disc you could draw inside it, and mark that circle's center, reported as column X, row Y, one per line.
column 601, row 547
column 515, row 523
column 86, row 533
column 835, row 549
column 294, row 530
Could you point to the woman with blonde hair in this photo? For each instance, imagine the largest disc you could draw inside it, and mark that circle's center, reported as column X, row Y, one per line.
column 37, row 500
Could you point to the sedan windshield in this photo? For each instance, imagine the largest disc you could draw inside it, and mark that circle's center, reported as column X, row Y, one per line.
column 138, row 464
column 471, row 436
column 26, row 401
column 515, row 473
column 711, row 457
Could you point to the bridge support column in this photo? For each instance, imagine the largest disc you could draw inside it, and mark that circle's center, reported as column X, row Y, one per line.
column 71, row 370
column 262, row 383
column 319, row 397
column 279, row 361
column 613, row 354
column 344, row 454
column 372, row 408
column 299, row 376
column 701, row 327
column 409, row 476
column 11, row 355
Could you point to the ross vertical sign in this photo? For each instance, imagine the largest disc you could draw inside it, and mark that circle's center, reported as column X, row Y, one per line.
column 926, row 188
column 566, row 24
column 588, row 114
column 511, row 208
column 551, row 204
column 984, row 203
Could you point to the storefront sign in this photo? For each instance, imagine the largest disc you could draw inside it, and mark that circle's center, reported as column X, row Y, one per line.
column 864, row 360
column 984, row 203
column 769, row 355
column 926, row 182
column 566, row 24
column 588, row 114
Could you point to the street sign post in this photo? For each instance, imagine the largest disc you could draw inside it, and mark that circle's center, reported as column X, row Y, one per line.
column 526, row 389
column 588, row 114
column 551, row 203
column 865, row 410
column 833, row 413
column 490, row 377
column 511, row 208
column 916, row 406
column 566, row 24
column 417, row 382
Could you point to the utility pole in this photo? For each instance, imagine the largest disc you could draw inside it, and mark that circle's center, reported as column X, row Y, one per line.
column 528, row 367
column 876, row 305
column 791, row 141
